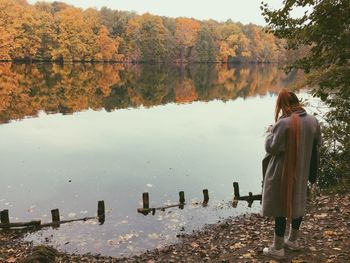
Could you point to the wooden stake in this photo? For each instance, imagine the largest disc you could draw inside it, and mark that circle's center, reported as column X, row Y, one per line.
column 206, row 196
column 4, row 216
column 181, row 197
column 145, row 200
column 250, row 199
column 101, row 211
column 55, row 214
column 236, row 190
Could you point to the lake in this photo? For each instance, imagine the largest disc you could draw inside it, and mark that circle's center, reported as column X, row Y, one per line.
column 75, row 134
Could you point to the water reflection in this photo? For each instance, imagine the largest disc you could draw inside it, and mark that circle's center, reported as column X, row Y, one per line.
column 25, row 89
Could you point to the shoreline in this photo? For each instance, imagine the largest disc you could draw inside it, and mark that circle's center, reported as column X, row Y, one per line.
column 325, row 237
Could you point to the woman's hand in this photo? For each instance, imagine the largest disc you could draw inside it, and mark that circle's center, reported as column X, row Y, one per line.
column 269, row 129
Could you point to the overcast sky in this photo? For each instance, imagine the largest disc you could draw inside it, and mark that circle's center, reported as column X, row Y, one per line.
column 244, row 11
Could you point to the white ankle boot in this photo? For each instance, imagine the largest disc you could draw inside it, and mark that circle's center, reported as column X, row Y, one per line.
column 276, row 250
column 291, row 242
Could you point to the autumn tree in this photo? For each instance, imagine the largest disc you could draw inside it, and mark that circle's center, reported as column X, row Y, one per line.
column 46, row 31
column 146, row 35
column 6, row 42
column 170, row 41
column 324, row 28
column 107, row 47
column 205, row 48
column 233, row 44
column 19, row 30
column 75, row 37
column 185, row 36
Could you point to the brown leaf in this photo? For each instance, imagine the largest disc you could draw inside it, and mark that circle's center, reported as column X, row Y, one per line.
column 328, row 233
column 247, row 255
column 11, row 260
column 194, row 245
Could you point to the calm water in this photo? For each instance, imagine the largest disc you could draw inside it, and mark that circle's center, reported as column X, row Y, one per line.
column 72, row 135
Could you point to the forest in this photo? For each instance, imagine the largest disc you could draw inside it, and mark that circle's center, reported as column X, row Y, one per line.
column 63, row 33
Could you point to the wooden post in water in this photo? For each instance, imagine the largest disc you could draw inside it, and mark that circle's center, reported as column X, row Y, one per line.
column 55, row 215
column 250, row 199
column 145, row 200
column 236, row 190
column 101, row 211
column 206, row 197
column 4, row 217
column 181, row 199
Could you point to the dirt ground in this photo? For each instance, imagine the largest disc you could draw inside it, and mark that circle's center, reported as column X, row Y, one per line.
column 325, row 237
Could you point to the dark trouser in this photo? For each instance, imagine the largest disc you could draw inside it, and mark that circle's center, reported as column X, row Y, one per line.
column 280, row 225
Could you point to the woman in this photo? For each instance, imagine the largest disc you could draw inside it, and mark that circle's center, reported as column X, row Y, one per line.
column 290, row 143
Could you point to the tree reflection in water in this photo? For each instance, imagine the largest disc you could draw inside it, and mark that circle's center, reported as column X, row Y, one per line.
column 27, row 89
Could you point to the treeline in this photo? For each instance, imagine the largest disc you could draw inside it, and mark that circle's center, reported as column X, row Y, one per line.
column 65, row 89
column 60, row 32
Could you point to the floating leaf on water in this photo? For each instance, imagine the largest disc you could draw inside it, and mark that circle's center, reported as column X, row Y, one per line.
column 91, row 222
column 112, row 242
column 153, row 236
column 131, row 248
column 159, row 246
column 72, row 215
column 126, row 237
column 167, row 202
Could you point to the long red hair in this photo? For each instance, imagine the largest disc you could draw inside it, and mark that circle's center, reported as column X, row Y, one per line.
column 287, row 104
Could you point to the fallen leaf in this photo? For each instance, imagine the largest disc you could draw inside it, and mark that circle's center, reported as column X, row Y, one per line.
column 194, row 245
column 312, row 248
column 11, row 260
column 323, row 215
column 247, row 255
column 328, row 233
column 237, row 246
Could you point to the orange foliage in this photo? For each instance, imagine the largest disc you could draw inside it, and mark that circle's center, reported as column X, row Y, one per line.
column 185, row 91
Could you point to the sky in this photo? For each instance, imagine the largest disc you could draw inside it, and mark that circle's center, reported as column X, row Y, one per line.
column 244, row 11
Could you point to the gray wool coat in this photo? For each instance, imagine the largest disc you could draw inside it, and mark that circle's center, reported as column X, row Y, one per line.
column 275, row 145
